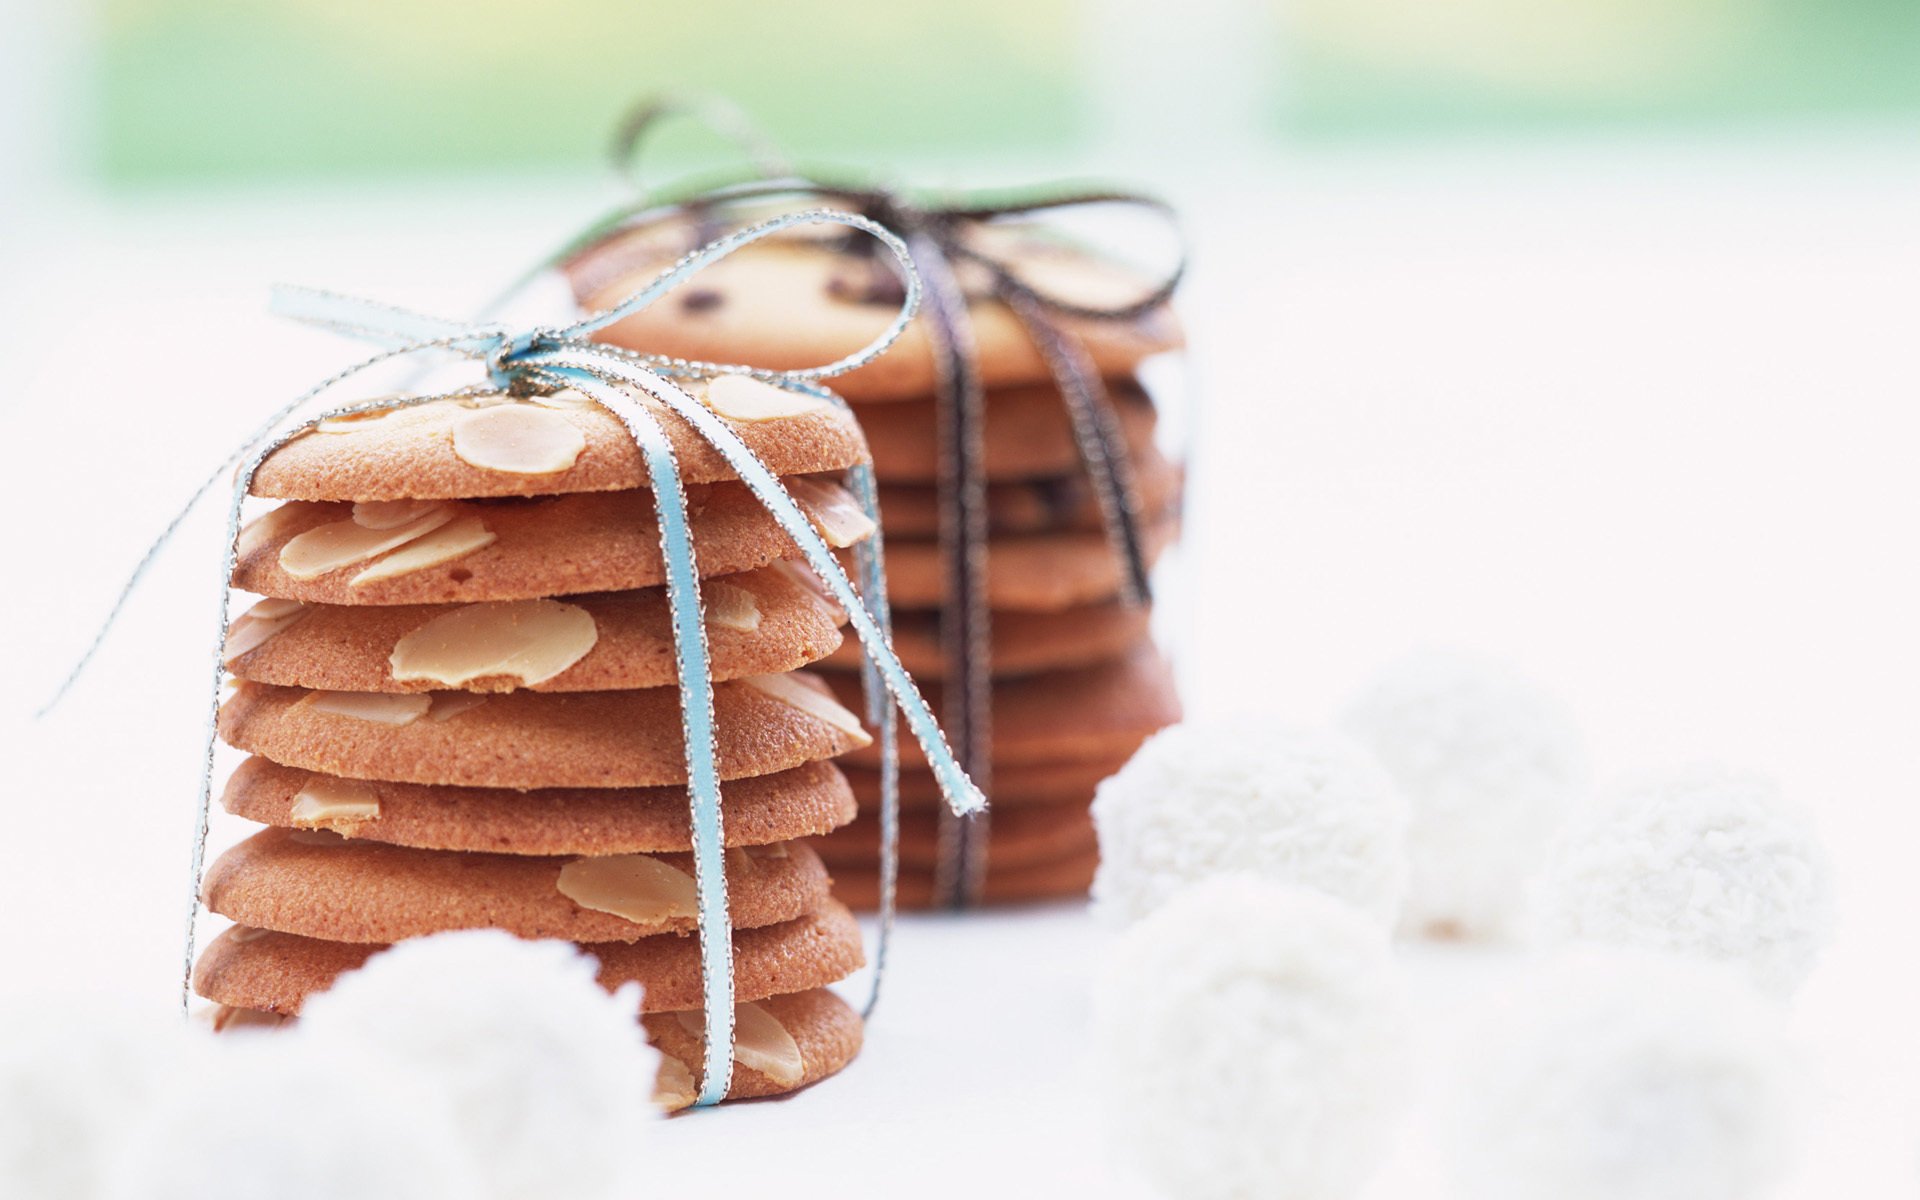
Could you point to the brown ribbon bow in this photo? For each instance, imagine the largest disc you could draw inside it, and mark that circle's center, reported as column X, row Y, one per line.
column 941, row 235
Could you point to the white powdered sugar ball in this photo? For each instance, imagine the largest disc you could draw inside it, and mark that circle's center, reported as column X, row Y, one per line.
column 73, row 1075
column 550, row 1077
column 1490, row 766
column 1290, row 805
column 1248, row 1041
column 272, row 1114
column 1702, row 861
column 1627, row 1075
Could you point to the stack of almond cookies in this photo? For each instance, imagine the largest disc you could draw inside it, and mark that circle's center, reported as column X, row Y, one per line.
column 1078, row 684
column 459, row 696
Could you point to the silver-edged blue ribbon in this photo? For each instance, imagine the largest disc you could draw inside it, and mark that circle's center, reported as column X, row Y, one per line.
column 548, row 359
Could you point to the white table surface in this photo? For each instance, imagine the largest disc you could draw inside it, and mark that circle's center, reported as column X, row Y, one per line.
column 1638, row 418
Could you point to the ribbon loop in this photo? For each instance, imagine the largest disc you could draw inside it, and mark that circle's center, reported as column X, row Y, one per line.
column 712, row 252
column 715, row 114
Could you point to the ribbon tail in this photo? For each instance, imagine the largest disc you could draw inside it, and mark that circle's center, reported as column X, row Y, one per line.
column 203, row 806
column 385, row 325
column 131, row 585
column 961, row 794
column 871, row 563
column 1101, row 443
column 697, row 725
column 261, row 434
column 870, row 558
column 965, row 619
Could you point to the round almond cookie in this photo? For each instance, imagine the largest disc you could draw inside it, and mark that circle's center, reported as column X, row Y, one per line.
column 1094, row 714
column 1048, row 505
column 1027, row 434
column 757, row 810
column 1064, row 877
column 436, row 552
column 262, row 971
column 764, row 723
column 781, row 1044
column 321, row 885
column 1013, row 786
column 793, row 302
column 1024, row 643
column 1018, row 837
column 1032, row 572
column 499, row 445
column 760, row 622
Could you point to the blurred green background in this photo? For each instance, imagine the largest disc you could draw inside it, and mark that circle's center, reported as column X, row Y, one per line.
column 190, row 90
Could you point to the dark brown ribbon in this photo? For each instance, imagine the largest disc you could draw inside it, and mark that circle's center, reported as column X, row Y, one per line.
column 937, row 235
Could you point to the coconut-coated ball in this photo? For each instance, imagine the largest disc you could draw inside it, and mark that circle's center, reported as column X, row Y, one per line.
column 549, row 1076
column 1700, row 860
column 1490, row 766
column 1248, row 1041
column 1287, row 804
column 74, row 1074
column 273, row 1114
column 1627, row 1075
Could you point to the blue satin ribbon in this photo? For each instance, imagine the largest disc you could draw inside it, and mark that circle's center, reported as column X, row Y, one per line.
column 546, row 359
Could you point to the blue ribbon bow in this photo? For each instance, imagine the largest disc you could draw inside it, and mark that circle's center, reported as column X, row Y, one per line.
column 543, row 360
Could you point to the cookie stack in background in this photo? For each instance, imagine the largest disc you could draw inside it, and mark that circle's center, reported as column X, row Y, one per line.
column 1078, row 683
column 459, row 696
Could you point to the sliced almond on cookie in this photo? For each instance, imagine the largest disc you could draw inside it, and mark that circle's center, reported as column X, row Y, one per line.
column 791, row 690
column 730, row 606
column 518, row 439
column 255, row 626
column 638, row 887
column 379, row 707
column 341, row 805
column 455, row 540
column 527, row 641
column 760, row 1043
column 744, row 398
column 340, row 544
column 836, row 514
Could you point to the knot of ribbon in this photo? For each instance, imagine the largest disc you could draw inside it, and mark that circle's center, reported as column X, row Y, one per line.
column 941, row 234
column 543, row 360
